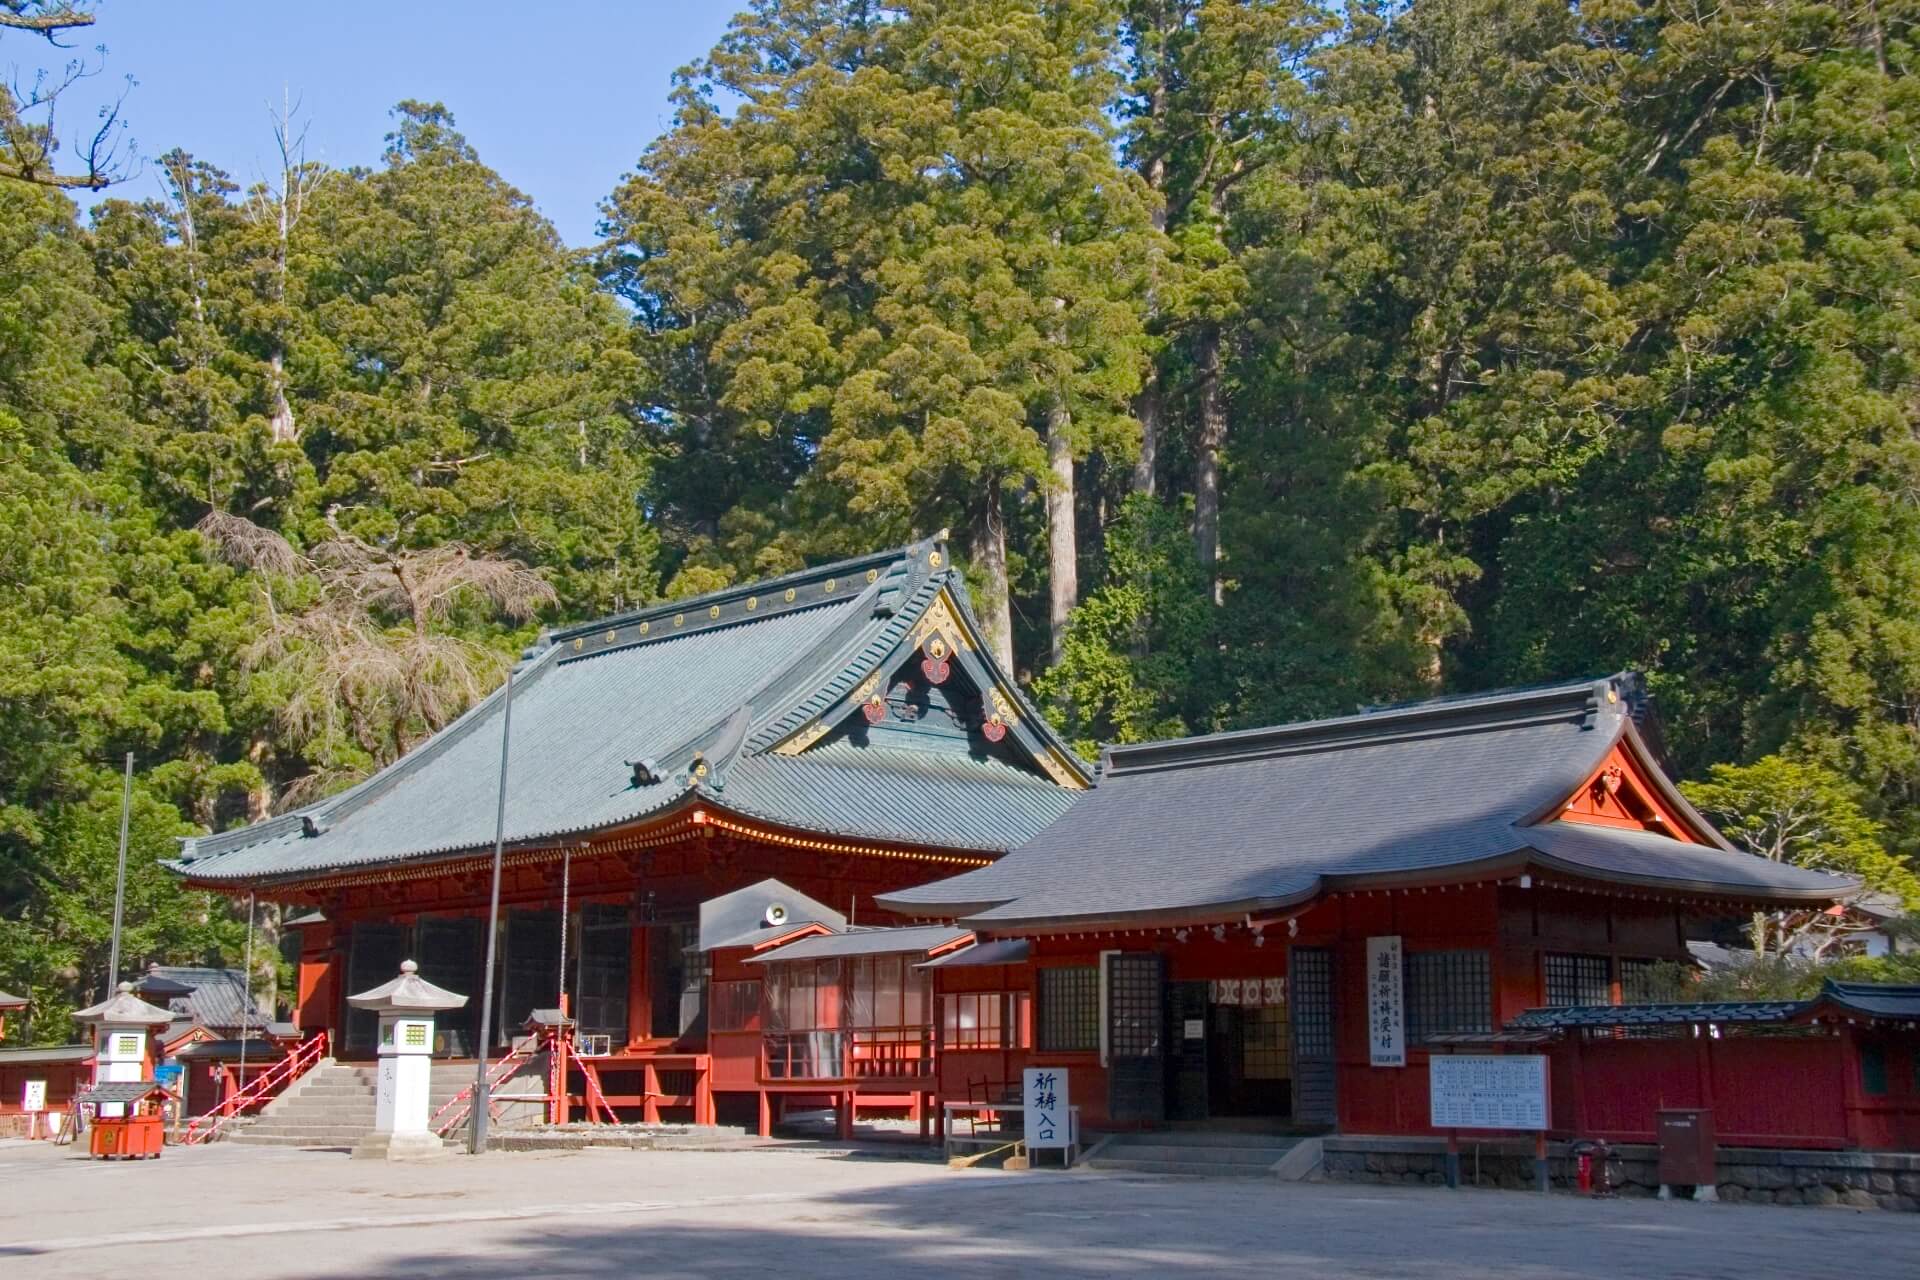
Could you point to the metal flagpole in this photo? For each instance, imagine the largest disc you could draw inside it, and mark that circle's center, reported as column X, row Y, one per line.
column 120, row 879
column 477, row 1121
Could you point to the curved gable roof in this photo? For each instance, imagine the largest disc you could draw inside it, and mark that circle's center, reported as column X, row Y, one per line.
column 711, row 697
column 1265, row 819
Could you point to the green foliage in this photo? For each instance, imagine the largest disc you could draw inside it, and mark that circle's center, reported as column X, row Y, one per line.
column 1807, row 815
column 862, row 292
column 1136, row 660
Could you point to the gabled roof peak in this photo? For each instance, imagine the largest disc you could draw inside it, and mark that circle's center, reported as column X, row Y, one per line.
column 1582, row 700
column 762, row 598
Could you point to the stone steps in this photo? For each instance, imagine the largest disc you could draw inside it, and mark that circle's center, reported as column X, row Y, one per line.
column 1193, row 1155
column 335, row 1104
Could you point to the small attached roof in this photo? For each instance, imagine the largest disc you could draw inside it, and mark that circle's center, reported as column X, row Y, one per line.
column 1876, row 1000
column 51, row 1053
column 124, row 1006
column 1720, row 1012
column 1868, row 1001
column 125, row 1091
column 12, row 1001
column 407, row 993
column 915, row 940
column 742, row 918
column 997, row 951
column 1263, row 820
column 253, row 1050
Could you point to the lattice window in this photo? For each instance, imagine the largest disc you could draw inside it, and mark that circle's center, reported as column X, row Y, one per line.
column 1266, row 1052
column 1310, row 971
column 1577, row 980
column 1069, row 1014
column 735, row 1006
column 984, row 1020
column 1649, row 982
column 1134, row 1014
column 1448, row 992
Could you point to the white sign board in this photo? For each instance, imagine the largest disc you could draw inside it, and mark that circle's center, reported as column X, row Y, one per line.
column 34, row 1096
column 1049, row 1122
column 1386, row 1003
column 1488, row 1091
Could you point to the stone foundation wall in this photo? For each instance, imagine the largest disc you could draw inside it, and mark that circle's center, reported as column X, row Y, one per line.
column 1849, row 1179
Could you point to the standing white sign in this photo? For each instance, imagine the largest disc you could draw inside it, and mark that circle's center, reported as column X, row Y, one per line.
column 34, row 1096
column 1049, row 1121
column 1386, row 1003
column 1488, row 1091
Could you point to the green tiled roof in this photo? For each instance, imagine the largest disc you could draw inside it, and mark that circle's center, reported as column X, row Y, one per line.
column 716, row 683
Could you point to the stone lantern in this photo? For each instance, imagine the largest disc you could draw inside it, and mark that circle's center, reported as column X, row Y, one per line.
column 406, row 1006
column 123, row 1027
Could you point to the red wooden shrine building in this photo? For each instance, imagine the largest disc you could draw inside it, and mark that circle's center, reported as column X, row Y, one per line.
column 843, row 732
column 1200, row 935
column 760, row 841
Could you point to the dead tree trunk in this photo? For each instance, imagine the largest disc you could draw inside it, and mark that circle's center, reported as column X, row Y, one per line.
column 1206, row 463
column 988, row 539
column 1063, row 569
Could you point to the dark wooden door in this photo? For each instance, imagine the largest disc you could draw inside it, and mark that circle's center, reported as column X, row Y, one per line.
column 1186, row 1015
column 1311, row 1004
column 451, row 956
column 1136, row 1038
column 374, row 953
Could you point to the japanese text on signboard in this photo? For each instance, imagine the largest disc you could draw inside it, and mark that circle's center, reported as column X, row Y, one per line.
column 1488, row 1091
column 1048, row 1112
column 1386, row 1004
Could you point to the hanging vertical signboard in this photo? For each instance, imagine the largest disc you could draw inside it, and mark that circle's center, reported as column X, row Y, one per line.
column 1386, row 1003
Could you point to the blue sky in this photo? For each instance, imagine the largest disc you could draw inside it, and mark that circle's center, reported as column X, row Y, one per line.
column 561, row 107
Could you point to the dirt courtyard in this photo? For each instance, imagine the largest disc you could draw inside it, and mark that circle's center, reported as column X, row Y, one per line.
column 264, row 1213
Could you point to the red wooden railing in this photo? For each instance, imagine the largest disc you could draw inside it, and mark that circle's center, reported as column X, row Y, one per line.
column 460, row 1105
column 264, row 1087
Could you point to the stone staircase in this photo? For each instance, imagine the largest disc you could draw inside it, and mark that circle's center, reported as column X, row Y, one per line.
column 1193, row 1153
column 333, row 1106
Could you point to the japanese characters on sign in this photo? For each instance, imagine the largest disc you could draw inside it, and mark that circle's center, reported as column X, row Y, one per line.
column 33, row 1097
column 1386, row 1003
column 1049, row 1121
column 1488, row 1091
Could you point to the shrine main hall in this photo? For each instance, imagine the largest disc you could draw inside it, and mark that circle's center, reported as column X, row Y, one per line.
column 804, row 842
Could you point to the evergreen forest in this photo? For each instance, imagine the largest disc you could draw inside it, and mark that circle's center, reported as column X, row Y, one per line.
column 1264, row 358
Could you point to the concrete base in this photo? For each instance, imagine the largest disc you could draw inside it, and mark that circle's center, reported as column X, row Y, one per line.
column 399, row 1146
column 1301, row 1163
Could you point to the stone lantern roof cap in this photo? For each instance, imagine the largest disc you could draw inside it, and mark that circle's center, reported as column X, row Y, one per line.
column 124, row 1006
column 408, row 993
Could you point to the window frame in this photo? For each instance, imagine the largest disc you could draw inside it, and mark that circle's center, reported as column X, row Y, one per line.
column 1060, row 1025
column 1431, row 978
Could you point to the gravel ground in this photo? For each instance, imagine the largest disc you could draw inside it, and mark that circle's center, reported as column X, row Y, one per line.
column 264, row 1213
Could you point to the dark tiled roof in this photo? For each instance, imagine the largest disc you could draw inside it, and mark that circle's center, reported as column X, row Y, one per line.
column 1268, row 818
column 917, row 940
column 994, row 951
column 121, row 1091
column 1657, row 1015
column 36, row 1054
column 216, row 998
column 12, row 1002
column 725, row 682
column 1871, row 999
column 254, row 1050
